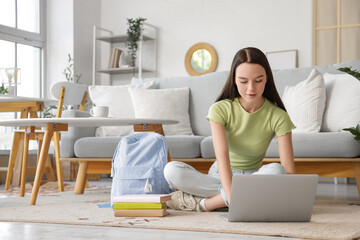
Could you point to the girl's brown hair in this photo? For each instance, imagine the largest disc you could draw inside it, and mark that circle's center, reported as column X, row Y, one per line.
column 256, row 56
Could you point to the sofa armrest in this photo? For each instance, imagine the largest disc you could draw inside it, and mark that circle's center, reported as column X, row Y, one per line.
column 68, row 138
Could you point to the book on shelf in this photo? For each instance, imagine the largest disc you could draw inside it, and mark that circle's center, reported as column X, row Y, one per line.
column 117, row 57
column 140, row 213
column 111, row 58
column 114, row 59
column 145, row 198
column 138, row 205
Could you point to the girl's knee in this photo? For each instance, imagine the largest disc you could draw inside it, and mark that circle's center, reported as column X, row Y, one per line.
column 272, row 168
column 172, row 171
column 168, row 170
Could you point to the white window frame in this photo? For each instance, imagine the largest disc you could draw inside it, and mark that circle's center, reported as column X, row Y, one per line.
column 31, row 39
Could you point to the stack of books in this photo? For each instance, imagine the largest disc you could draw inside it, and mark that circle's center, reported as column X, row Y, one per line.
column 141, row 205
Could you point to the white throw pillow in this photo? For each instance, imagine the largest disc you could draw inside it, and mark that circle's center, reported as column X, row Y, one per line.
column 171, row 103
column 305, row 103
column 118, row 99
column 343, row 102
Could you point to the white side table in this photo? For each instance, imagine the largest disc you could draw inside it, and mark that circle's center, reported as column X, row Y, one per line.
column 61, row 124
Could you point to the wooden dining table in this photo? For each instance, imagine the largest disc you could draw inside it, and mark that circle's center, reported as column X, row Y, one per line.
column 28, row 107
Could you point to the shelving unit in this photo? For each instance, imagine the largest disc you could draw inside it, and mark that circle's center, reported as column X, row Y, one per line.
column 149, row 34
column 124, row 70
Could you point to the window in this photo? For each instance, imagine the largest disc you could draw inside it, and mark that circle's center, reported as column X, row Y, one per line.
column 22, row 40
column 336, row 31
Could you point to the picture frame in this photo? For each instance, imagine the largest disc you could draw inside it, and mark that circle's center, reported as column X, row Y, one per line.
column 283, row 59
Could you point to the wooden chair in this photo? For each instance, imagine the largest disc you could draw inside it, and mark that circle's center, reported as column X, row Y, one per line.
column 67, row 93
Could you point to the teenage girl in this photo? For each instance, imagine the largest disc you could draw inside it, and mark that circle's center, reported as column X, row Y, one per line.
column 244, row 119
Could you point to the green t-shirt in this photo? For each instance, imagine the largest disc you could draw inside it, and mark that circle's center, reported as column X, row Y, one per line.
column 249, row 134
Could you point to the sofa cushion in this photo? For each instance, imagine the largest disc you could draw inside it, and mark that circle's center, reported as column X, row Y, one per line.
column 172, row 104
column 343, row 102
column 69, row 137
column 306, row 145
column 207, row 148
column 118, row 99
column 96, row 147
column 104, row 147
column 204, row 90
column 184, row 146
column 305, row 103
column 322, row 144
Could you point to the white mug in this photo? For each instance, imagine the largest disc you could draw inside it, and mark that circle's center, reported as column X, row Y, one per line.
column 99, row 111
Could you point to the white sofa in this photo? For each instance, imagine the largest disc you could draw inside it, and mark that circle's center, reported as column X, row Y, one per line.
column 328, row 152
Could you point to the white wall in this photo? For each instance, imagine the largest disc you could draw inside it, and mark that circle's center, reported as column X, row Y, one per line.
column 60, row 35
column 228, row 25
column 69, row 31
column 86, row 15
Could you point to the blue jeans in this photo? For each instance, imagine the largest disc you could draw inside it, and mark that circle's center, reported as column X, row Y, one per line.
column 187, row 179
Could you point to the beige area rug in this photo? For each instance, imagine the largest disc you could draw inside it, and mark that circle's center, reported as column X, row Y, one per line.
column 45, row 188
column 330, row 219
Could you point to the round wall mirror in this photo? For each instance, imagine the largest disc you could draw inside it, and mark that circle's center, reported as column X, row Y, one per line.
column 201, row 59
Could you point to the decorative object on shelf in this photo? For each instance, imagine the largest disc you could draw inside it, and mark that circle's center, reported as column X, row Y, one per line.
column 69, row 71
column 11, row 77
column 355, row 131
column 201, row 59
column 134, row 33
column 3, row 89
column 114, row 59
column 348, row 70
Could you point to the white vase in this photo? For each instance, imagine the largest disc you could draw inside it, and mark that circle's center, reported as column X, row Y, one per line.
column 11, row 90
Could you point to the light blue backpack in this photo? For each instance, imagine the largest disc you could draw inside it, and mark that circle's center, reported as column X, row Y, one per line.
column 138, row 164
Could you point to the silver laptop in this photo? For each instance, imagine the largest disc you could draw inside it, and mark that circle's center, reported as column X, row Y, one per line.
column 272, row 198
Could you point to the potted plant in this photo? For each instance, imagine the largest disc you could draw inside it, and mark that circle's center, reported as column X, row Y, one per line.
column 133, row 36
column 69, row 71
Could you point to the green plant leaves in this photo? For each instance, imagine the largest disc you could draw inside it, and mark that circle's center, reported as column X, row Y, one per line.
column 3, row 89
column 69, row 71
column 355, row 131
column 48, row 112
column 134, row 33
column 348, row 70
